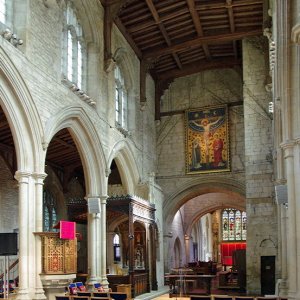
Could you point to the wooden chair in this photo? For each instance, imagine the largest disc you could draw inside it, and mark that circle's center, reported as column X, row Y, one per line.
column 99, row 298
column 199, row 297
column 80, row 297
column 244, row 298
column 101, row 294
column 222, row 297
column 84, row 294
column 267, row 298
column 118, row 295
column 62, row 297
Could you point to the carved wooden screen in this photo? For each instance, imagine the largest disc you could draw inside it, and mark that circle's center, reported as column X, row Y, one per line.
column 58, row 256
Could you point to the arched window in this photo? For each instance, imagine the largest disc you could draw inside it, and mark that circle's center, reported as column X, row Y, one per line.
column 120, row 99
column 117, row 252
column 2, row 11
column 74, row 50
column 49, row 211
column 234, row 225
column 5, row 13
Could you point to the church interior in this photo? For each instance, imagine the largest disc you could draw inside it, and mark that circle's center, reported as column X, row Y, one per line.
column 147, row 146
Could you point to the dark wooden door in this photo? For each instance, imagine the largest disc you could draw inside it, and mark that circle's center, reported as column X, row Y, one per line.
column 268, row 275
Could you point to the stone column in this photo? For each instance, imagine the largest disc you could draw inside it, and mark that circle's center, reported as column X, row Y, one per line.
column 103, row 241
column 187, row 248
column 283, row 289
column 24, row 196
column 210, row 237
column 292, row 250
column 167, row 258
column 94, row 244
column 39, row 182
column 110, row 253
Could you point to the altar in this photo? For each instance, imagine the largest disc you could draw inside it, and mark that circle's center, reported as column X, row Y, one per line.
column 189, row 284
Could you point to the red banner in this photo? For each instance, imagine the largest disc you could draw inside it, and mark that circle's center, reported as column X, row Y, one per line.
column 67, row 230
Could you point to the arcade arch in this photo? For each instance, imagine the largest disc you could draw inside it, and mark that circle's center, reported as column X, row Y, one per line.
column 193, row 203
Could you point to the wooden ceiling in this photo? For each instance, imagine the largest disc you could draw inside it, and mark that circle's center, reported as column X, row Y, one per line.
column 174, row 38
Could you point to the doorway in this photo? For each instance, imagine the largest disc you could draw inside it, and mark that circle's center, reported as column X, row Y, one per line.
column 267, row 275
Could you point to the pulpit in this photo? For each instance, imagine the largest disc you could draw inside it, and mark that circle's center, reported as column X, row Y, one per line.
column 59, row 256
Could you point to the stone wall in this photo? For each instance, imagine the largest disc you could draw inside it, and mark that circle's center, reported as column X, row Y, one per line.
column 209, row 88
column 204, row 89
column 261, row 210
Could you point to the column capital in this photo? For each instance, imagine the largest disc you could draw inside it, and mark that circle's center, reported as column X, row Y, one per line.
column 39, row 177
column 288, row 148
column 186, row 237
column 103, row 199
column 22, row 176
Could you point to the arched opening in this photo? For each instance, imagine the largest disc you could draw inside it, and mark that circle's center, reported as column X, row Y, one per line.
column 9, row 221
column 207, row 247
column 64, row 192
column 177, row 254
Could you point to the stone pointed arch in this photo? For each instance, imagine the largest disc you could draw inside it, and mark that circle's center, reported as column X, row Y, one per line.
column 22, row 116
column 196, row 187
column 88, row 144
column 126, row 164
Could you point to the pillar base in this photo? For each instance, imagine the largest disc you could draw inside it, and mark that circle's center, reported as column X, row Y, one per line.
column 23, row 294
column 56, row 284
column 39, row 294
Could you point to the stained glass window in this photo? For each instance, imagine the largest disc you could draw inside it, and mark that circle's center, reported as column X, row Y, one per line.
column 234, row 225
column 49, row 211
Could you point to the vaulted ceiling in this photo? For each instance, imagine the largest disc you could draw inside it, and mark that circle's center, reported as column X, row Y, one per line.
column 175, row 38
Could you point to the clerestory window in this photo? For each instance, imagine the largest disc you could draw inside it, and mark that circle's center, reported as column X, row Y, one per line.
column 120, row 99
column 74, row 49
column 2, row 11
column 5, row 13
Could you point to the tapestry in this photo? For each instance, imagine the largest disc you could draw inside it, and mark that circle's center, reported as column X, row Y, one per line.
column 207, row 141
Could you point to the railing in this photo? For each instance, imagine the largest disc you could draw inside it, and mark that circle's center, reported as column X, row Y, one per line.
column 13, row 267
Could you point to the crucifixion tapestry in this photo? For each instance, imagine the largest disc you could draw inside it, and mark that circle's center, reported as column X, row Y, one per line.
column 207, row 140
